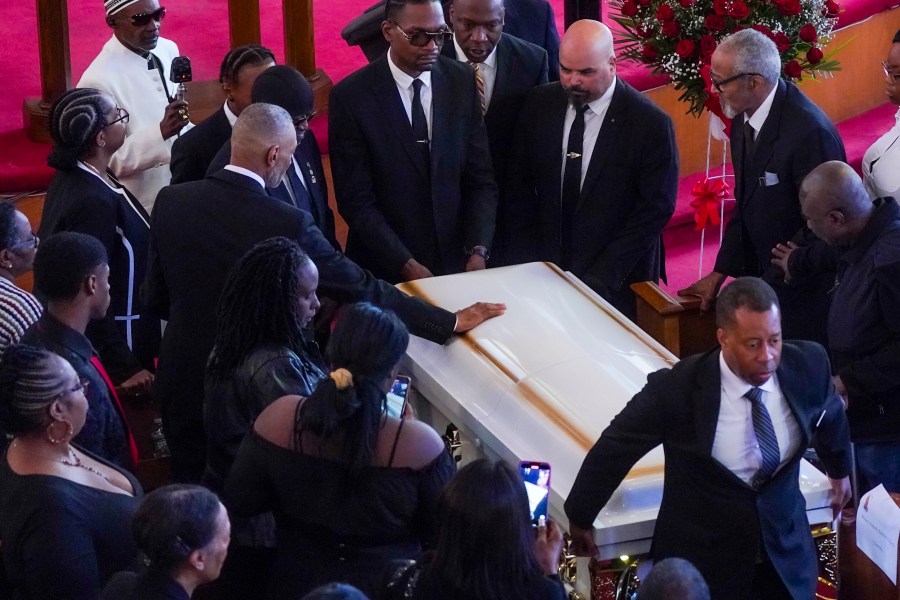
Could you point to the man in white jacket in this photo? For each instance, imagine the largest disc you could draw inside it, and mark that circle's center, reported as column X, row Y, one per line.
column 134, row 68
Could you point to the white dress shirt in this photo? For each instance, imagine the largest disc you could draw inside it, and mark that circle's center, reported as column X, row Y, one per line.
column 246, row 173
column 287, row 181
column 593, row 121
column 232, row 118
column 735, row 445
column 405, row 88
column 761, row 114
column 881, row 164
column 488, row 70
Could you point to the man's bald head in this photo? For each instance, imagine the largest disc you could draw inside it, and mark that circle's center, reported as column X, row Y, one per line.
column 835, row 203
column 587, row 63
column 263, row 140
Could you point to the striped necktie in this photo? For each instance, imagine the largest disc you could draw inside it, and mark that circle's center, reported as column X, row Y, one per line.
column 765, row 435
column 479, row 85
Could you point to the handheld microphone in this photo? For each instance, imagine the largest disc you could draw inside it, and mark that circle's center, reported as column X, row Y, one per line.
column 180, row 73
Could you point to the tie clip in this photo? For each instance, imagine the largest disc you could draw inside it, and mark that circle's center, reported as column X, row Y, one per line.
column 573, row 155
column 421, row 141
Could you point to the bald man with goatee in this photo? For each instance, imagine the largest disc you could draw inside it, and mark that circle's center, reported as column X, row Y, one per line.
column 864, row 320
column 596, row 169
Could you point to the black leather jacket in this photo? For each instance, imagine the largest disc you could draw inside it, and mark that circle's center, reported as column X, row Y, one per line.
column 231, row 405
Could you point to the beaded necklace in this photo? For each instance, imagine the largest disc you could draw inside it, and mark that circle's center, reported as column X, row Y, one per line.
column 73, row 460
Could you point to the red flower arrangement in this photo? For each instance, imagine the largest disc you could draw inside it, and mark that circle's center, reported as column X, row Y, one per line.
column 678, row 37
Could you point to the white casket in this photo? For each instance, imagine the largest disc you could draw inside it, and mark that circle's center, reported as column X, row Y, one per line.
column 543, row 381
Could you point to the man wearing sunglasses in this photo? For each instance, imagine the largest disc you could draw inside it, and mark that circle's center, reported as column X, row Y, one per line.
column 777, row 137
column 409, row 154
column 133, row 67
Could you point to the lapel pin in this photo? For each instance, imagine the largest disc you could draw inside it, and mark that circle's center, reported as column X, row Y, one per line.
column 312, row 175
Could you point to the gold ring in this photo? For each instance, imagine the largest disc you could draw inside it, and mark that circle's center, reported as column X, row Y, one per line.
column 181, row 111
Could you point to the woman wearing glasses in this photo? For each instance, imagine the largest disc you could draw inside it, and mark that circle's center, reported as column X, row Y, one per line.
column 65, row 515
column 881, row 162
column 18, row 308
column 87, row 128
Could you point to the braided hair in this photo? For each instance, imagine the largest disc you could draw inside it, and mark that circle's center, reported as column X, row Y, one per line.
column 368, row 342
column 28, row 385
column 258, row 305
column 240, row 57
column 172, row 522
column 75, row 120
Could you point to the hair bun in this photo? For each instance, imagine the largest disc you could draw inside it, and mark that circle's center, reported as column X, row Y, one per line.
column 342, row 378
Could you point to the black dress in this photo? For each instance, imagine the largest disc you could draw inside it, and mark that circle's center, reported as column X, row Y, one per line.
column 61, row 539
column 149, row 585
column 79, row 200
column 332, row 528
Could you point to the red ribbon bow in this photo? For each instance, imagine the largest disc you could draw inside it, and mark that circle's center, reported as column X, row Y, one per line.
column 708, row 195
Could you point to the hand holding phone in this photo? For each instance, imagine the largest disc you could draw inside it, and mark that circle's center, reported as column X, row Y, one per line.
column 396, row 399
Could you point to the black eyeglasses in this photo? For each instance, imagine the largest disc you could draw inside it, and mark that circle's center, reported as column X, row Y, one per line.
column 420, row 38
column 718, row 84
column 121, row 115
column 32, row 242
column 142, row 19
column 301, row 120
column 82, row 386
column 889, row 71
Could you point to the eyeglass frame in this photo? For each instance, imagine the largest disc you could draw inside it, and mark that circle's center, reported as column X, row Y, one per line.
column 438, row 37
column 121, row 115
column 718, row 84
column 83, row 384
column 34, row 242
column 888, row 71
column 143, row 19
column 303, row 119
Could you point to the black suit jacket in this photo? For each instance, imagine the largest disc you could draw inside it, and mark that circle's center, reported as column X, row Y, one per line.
column 521, row 67
column 198, row 231
column 627, row 197
column 708, row 515
column 309, row 157
column 397, row 206
column 533, row 21
column 795, row 138
column 193, row 151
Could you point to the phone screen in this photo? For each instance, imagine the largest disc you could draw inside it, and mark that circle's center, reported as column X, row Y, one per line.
column 396, row 398
column 536, row 477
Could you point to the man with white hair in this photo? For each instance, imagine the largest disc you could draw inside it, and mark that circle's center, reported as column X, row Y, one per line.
column 598, row 170
column 133, row 67
column 777, row 137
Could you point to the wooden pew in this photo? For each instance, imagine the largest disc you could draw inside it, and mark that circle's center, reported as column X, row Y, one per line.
column 676, row 323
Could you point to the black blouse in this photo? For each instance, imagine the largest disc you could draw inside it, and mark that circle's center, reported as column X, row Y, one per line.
column 62, row 539
column 332, row 527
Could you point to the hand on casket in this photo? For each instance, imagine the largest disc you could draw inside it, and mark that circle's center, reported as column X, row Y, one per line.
column 472, row 316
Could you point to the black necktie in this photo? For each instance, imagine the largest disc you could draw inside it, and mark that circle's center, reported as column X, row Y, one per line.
column 419, row 122
column 571, row 189
column 749, row 140
column 765, row 435
column 301, row 195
